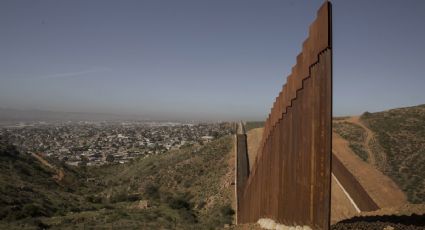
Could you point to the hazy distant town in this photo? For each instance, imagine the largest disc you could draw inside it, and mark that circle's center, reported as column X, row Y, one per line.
column 98, row 143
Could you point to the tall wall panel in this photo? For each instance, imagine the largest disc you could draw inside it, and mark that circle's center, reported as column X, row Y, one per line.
column 290, row 178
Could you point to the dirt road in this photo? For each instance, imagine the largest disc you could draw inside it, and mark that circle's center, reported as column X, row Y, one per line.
column 377, row 158
column 59, row 172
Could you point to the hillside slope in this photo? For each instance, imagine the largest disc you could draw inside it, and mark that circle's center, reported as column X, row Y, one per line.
column 184, row 189
column 400, row 135
column 29, row 188
column 392, row 141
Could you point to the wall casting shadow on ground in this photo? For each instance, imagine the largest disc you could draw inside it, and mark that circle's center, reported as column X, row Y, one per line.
column 414, row 219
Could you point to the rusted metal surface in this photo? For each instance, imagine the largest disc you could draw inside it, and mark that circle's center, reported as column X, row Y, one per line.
column 360, row 197
column 242, row 163
column 290, row 179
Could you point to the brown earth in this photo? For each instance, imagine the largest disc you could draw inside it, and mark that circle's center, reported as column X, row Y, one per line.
column 254, row 139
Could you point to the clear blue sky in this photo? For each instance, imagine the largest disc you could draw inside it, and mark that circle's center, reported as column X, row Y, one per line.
column 200, row 59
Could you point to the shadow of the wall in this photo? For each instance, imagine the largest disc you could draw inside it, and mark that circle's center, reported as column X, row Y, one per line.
column 413, row 221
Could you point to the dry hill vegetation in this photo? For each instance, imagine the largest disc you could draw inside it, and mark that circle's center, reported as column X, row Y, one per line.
column 397, row 145
column 401, row 134
column 28, row 188
column 181, row 189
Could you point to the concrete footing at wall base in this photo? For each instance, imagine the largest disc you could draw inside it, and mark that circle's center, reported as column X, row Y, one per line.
column 272, row 225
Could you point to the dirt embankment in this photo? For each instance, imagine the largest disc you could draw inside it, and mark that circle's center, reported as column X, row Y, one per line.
column 254, row 137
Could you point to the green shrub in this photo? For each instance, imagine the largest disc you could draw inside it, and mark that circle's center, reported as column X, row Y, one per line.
column 179, row 203
column 32, row 210
column 152, row 191
column 227, row 210
column 94, row 199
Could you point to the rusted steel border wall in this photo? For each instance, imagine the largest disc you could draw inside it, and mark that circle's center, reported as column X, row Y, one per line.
column 290, row 179
column 242, row 162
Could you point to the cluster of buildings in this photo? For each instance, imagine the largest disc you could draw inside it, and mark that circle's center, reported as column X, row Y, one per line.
column 98, row 143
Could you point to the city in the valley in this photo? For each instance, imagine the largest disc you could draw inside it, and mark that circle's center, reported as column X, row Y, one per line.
column 98, row 143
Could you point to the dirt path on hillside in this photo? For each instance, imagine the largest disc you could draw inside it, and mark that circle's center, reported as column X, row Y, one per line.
column 369, row 136
column 379, row 187
column 380, row 160
column 59, row 172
